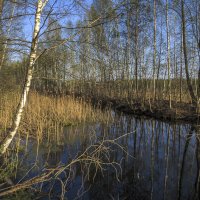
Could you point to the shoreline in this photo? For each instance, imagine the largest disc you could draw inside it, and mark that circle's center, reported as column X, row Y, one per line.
column 180, row 112
column 159, row 109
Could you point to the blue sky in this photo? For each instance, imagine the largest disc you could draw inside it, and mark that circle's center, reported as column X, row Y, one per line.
column 28, row 23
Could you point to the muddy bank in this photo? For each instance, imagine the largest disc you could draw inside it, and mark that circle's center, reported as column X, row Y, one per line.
column 159, row 110
column 180, row 112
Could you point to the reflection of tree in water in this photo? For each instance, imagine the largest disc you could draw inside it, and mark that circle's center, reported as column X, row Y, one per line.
column 194, row 195
column 195, row 189
column 164, row 164
column 197, row 181
column 53, row 156
column 130, row 186
column 157, row 170
column 108, row 187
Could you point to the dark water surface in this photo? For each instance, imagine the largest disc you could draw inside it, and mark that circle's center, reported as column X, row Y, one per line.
column 163, row 161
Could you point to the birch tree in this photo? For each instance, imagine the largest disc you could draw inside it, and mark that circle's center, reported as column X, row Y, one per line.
column 190, row 88
column 1, row 31
column 154, row 54
column 168, row 54
column 32, row 57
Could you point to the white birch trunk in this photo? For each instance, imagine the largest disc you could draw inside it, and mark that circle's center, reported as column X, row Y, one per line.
column 20, row 109
column 155, row 51
column 168, row 54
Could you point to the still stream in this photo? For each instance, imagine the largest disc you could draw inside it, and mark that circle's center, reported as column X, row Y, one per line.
column 159, row 160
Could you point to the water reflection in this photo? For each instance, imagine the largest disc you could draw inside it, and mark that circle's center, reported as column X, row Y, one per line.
column 163, row 160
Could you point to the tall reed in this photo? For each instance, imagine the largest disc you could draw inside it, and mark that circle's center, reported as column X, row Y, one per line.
column 45, row 116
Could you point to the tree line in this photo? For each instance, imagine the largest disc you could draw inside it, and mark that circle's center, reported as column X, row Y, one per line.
column 132, row 49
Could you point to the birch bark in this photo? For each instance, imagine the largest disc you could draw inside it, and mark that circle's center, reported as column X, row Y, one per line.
column 168, row 54
column 16, row 122
column 155, row 51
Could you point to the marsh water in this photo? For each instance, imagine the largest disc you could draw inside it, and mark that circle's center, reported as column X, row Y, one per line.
column 159, row 160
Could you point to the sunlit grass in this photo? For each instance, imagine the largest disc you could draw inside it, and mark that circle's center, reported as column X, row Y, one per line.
column 45, row 116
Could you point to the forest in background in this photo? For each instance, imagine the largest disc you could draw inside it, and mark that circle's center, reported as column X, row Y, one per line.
column 67, row 67
column 140, row 56
column 136, row 48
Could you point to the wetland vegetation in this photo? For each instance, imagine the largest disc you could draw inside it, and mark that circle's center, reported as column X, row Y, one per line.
column 99, row 99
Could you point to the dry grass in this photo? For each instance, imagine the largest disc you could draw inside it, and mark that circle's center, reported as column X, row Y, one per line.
column 8, row 103
column 45, row 116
